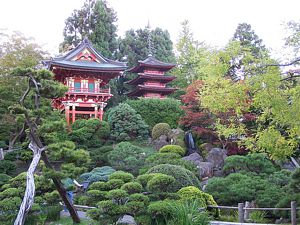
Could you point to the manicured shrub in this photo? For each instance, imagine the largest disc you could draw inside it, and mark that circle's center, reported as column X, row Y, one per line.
column 126, row 177
column 117, row 195
column 155, row 111
column 144, row 178
column 139, row 198
column 7, row 167
column 95, row 196
column 168, row 158
column 256, row 162
column 183, row 177
column 90, row 133
column 160, row 129
column 128, row 157
column 114, row 183
column 99, row 155
column 161, row 211
column 98, row 174
column 52, row 197
column 9, row 193
column 100, row 185
column 4, row 178
column 132, row 187
column 160, row 183
column 173, row 149
column 126, row 124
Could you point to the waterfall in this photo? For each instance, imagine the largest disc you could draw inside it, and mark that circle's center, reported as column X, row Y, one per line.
column 189, row 141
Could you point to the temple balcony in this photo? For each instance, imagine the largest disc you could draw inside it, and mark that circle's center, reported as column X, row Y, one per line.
column 88, row 91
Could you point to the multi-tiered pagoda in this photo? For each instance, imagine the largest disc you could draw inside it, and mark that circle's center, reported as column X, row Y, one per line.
column 151, row 80
column 86, row 73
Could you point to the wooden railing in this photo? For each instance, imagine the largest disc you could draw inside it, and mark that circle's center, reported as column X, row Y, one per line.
column 89, row 90
column 243, row 212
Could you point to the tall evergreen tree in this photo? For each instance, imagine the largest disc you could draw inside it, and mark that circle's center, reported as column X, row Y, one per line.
column 96, row 21
column 252, row 50
column 135, row 45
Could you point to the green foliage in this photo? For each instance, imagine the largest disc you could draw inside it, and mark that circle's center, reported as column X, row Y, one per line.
column 192, row 193
column 100, row 185
column 144, row 178
column 280, row 178
column 4, row 178
column 7, row 167
column 168, row 158
column 128, row 157
column 132, row 187
column 160, row 183
column 160, row 129
column 126, row 124
column 126, row 177
column 161, row 211
column 295, row 184
column 98, row 174
column 183, row 177
column 187, row 213
column 52, row 198
column 114, row 183
column 139, row 198
column 154, row 111
column 99, row 156
column 117, row 195
column 90, row 133
column 134, row 46
column 172, row 149
column 256, row 163
column 94, row 20
column 238, row 187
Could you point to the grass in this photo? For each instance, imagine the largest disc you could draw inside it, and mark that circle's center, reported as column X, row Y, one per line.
column 69, row 221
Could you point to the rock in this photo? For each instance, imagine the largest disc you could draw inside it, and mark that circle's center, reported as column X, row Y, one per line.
column 195, row 158
column 217, row 157
column 160, row 142
column 126, row 219
column 176, row 137
column 205, row 169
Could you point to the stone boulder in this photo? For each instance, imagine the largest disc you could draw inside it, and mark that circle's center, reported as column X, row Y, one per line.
column 217, row 157
column 205, row 168
column 160, row 142
column 126, row 219
column 194, row 158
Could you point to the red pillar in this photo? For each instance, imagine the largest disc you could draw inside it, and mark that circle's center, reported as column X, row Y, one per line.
column 96, row 112
column 67, row 112
column 73, row 113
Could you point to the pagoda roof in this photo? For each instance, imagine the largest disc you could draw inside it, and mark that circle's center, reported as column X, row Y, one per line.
column 151, row 62
column 145, row 77
column 152, row 89
column 85, row 56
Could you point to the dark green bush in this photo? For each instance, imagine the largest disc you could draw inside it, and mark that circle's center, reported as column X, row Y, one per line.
column 126, row 177
column 160, row 129
column 132, row 187
column 183, row 177
column 256, row 162
column 4, row 178
column 161, row 211
column 100, row 185
column 173, row 149
column 7, row 167
column 160, row 183
column 144, row 178
column 98, row 174
column 99, row 155
column 126, row 124
column 168, row 158
column 139, row 198
column 114, row 183
column 90, row 133
column 128, row 157
column 117, row 195
column 155, row 111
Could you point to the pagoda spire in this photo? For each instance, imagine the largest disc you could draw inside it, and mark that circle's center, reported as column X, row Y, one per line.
column 150, row 53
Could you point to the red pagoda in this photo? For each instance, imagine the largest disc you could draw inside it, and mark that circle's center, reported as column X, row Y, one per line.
column 85, row 71
column 151, row 80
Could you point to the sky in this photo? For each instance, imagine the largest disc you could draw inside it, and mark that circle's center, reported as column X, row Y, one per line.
column 212, row 21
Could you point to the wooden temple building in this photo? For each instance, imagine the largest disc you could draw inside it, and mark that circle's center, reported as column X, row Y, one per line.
column 86, row 73
column 151, row 79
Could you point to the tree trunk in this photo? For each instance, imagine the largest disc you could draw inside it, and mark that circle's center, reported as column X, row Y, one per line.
column 28, row 198
column 62, row 191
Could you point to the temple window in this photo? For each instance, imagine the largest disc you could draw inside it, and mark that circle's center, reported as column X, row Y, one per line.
column 77, row 86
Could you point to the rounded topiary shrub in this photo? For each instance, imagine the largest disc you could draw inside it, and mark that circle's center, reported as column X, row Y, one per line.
column 183, row 177
column 160, row 129
column 172, row 149
column 132, row 187
column 126, row 177
column 160, row 183
column 144, row 178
